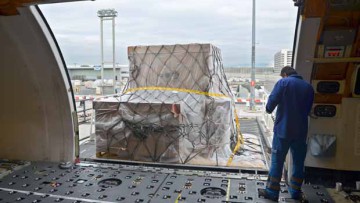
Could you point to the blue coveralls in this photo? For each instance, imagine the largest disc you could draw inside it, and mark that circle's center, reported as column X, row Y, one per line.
column 293, row 98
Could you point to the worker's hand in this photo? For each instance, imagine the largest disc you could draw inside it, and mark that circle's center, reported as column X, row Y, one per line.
column 273, row 118
column 267, row 111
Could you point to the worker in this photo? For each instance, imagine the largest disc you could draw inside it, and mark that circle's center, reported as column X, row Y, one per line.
column 293, row 98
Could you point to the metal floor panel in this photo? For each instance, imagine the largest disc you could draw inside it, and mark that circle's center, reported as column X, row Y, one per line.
column 250, row 126
column 95, row 182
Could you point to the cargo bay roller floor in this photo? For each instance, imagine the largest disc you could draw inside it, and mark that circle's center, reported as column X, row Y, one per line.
column 251, row 156
column 105, row 183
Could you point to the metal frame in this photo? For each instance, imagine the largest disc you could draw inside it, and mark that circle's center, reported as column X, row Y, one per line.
column 107, row 14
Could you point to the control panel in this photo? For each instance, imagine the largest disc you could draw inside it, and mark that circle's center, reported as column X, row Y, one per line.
column 336, row 43
column 329, row 86
column 334, row 52
column 356, row 83
column 325, row 110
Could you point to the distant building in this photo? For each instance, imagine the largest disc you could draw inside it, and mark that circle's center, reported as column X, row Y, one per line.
column 93, row 72
column 281, row 59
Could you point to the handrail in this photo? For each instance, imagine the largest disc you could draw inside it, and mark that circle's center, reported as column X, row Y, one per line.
column 269, row 119
column 83, row 115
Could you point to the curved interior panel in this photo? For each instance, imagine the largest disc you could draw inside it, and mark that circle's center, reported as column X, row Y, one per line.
column 36, row 101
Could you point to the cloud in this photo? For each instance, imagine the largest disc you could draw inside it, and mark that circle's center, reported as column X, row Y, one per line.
column 224, row 23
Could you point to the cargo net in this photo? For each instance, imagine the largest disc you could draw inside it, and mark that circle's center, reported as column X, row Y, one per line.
column 176, row 108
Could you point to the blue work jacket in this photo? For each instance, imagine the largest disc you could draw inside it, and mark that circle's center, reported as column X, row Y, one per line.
column 294, row 98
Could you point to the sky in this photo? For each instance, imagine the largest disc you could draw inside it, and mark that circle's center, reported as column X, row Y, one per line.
column 223, row 23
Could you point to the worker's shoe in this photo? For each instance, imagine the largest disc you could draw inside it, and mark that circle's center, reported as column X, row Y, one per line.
column 265, row 194
column 300, row 197
column 296, row 193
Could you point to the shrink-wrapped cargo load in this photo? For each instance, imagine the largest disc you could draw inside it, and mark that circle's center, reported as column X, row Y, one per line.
column 176, row 108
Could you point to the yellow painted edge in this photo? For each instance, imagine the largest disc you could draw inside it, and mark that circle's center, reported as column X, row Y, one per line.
column 178, row 197
column 228, row 191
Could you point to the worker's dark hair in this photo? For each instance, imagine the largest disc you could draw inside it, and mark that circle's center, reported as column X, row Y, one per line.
column 288, row 70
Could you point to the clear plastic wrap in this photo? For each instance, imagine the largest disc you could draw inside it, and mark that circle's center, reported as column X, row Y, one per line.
column 176, row 108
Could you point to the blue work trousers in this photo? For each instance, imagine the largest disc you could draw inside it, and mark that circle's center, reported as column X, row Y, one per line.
column 280, row 148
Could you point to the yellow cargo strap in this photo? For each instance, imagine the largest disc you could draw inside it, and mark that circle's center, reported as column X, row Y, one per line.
column 240, row 139
column 177, row 90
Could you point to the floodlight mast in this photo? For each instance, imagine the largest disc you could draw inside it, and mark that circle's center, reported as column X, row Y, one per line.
column 107, row 14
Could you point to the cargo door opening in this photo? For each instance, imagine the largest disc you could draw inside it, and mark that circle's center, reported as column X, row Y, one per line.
column 171, row 89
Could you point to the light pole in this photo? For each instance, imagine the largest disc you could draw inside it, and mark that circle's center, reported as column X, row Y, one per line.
column 252, row 83
column 107, row 14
